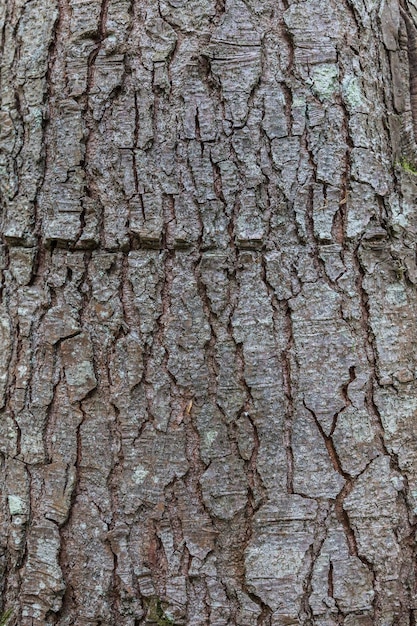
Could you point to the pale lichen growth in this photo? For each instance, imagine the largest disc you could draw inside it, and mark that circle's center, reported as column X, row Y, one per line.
column 325, row 80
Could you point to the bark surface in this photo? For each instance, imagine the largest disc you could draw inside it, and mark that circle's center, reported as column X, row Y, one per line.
column 208, row 312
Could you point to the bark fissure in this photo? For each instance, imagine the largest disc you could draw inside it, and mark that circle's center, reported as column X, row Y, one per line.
column 208, row 271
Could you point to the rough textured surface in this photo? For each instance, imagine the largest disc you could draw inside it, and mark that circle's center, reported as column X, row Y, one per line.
column 208, row 366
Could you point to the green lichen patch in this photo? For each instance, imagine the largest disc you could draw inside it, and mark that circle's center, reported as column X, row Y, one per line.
column 326, row 80
column 4, row 618
column 157, row 615
column 352, row 93
column 408, row 166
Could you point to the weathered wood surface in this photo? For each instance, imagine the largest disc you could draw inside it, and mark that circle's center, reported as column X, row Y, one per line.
column 208, row 316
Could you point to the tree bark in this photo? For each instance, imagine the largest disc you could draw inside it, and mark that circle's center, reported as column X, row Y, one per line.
column 208, row 299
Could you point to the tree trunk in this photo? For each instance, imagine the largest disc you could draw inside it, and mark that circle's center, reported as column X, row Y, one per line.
column 208, row 345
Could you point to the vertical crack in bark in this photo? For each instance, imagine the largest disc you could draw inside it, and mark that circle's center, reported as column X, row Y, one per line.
column 255, row 482
column 371, row 354
column 330, row 584
column 47, row 114
column 341, row 514
column 50, row 410
column 340, row 511
column 168, row 262
column 192, row 478
column 309, row 218
column 176, row 526
column 169, row 275
column 412, row 59
column 328, row 442
column 135, row 148
column 6, row 21
column 287, row 36
column 88, row 114
column 287, row 380
column 343, row 518
column 345, row 396
column 340, row 217
column 246, row 409
column 320, row 534
column 12, row 368
column 282, row 308
column 210, row 347
column 156, row 558
column 217, row 182
column 101, row 35
column 315, row 245
column 113, row 480
column 340, row 617
column 352, row 9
